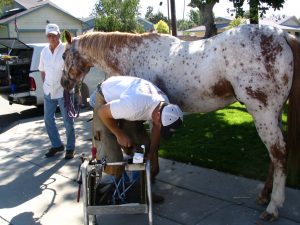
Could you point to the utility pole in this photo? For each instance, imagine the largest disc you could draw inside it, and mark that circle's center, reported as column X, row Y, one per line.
column 173, row 18
column 183, row 10
column 168, row 6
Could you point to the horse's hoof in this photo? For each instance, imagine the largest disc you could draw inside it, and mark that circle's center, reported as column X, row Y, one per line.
column 262, row 201
column 268, row 216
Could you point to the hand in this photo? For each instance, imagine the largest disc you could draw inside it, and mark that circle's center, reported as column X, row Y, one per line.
column 153, row 157
column 124, row 140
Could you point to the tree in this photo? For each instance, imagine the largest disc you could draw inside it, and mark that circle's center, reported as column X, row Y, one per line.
column 206, row 14
column 184, row 24
column 116, row 15
column 195, row 17
column 5, row 3
column 155, row 18
column 162, row 27
column 258, row 8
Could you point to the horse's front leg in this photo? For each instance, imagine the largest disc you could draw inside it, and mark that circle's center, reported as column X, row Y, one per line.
column 268, row 128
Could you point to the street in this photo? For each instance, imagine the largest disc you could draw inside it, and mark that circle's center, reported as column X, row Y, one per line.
column 11, row 114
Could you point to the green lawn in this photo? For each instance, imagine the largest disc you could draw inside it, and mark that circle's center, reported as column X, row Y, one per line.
column 225, row 140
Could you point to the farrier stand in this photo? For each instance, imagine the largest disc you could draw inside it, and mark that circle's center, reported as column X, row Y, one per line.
column 128, row 208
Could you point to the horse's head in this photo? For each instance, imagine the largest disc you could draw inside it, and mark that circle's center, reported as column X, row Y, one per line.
column 76, row 64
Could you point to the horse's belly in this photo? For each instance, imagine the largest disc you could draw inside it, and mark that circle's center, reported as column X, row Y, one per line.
column 189, row 102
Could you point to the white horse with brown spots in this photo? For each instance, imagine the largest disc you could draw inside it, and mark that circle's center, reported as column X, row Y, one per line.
column 255, row 65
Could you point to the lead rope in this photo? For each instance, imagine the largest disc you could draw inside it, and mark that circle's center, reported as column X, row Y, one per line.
column 73, row 109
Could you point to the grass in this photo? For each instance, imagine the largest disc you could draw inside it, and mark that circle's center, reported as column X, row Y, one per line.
column 225, row 140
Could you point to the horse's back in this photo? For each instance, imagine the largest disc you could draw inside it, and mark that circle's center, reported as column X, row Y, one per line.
column 252, row 64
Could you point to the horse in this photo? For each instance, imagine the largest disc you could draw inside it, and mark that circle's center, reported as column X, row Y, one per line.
column 256, row 65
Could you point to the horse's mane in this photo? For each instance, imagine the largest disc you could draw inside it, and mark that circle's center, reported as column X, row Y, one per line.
column 98, row 44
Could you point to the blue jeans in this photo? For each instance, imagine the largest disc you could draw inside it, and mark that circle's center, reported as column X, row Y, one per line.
column 49, row 118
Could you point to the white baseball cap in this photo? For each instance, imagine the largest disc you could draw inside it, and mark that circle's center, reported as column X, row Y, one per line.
column 52, row 28
column 171, row 119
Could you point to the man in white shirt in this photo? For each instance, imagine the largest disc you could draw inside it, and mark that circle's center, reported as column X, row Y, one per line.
column 51, row 65
column 132, row 99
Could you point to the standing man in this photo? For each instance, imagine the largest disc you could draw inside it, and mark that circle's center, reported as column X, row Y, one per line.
column 51, row 65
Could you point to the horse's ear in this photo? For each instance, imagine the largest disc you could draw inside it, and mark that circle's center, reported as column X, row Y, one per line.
column 68, row 37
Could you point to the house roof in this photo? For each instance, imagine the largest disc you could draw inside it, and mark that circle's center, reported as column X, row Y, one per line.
column 290, row 21
column 145, row 23
column 221, row 19
column 28, row 4
column 202, row 28
column 89, row 23
column 285, row 20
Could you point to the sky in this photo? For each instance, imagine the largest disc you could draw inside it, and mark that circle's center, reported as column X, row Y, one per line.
column 83, row 8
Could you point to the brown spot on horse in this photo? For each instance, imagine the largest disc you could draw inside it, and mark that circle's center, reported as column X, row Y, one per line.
column 223, row 89
column 258, row 94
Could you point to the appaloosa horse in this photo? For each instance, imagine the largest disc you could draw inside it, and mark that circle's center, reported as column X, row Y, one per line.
column 255, row 65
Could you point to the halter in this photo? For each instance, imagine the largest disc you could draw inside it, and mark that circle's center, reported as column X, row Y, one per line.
column 72, row 109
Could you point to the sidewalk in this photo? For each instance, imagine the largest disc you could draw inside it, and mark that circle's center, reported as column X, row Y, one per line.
column 39, row 191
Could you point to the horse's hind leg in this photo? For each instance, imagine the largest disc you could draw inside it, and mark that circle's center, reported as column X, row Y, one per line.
column 269, row 130
column 264, row 196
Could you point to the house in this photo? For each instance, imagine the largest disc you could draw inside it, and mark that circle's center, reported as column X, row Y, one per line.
column 221, row 24
column 27, row 19
column 89, row 24
column 289, row 24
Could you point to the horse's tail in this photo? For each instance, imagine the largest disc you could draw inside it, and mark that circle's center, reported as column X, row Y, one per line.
column 293, row 138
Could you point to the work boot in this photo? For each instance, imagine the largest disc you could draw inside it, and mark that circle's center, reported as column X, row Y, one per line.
column 69, row 154
column 52, row 151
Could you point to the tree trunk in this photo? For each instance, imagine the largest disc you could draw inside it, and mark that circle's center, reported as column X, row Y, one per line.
column 208, row 19
column 207, row 16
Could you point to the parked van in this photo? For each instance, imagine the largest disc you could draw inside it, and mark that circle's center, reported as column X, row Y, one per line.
column 20, row 79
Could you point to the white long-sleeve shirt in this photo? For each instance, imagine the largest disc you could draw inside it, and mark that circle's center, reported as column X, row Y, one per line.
column 52, row 65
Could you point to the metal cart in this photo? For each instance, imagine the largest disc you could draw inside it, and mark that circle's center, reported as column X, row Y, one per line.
column 91, row 175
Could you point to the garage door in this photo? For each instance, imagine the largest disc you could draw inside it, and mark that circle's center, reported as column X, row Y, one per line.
column 32, row 37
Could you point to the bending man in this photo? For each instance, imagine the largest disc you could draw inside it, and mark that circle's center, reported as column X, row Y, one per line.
column 121, row 99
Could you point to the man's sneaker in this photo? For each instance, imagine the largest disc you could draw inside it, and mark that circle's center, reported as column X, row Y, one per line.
column 52, row 151
column 69, row 154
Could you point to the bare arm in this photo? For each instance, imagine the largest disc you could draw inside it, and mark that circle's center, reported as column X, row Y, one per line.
column 43, row 74
column 105, row 115
column 155, row 139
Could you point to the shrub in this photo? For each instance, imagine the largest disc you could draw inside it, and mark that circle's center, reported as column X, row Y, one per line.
column 162, row 27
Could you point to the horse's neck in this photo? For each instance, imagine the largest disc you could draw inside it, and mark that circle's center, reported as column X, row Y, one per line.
column 139, row 60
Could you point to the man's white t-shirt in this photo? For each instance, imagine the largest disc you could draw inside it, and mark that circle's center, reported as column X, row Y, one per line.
column 52, row 65
column 131, row 98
